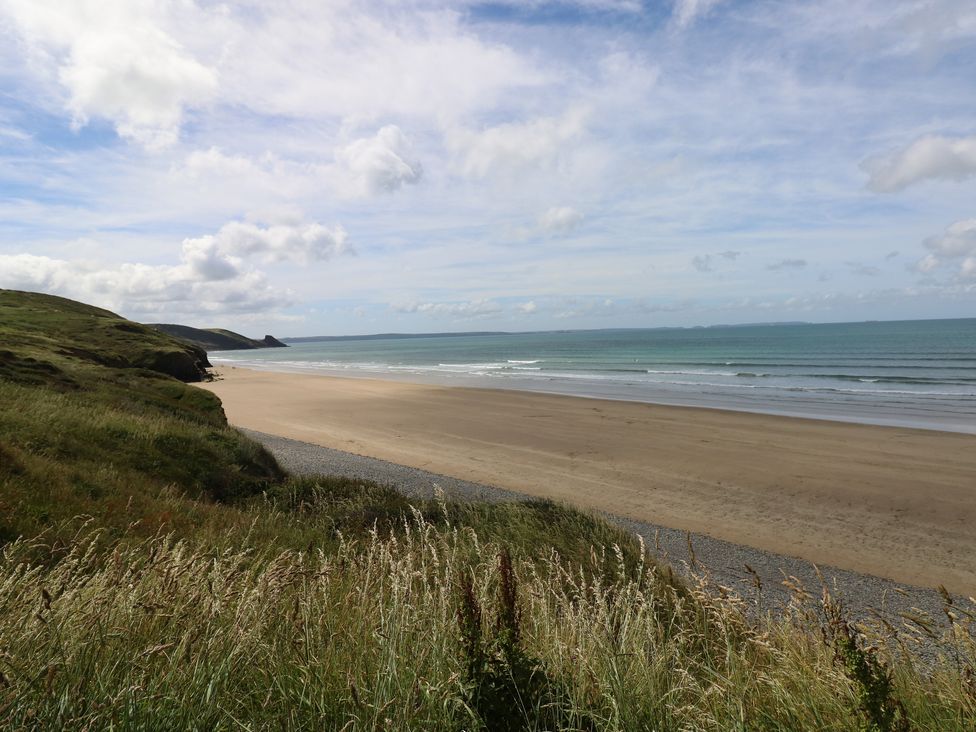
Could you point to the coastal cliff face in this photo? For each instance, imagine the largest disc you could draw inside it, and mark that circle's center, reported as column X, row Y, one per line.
column 49, row 329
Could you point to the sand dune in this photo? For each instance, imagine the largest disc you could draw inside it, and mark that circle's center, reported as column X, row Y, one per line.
column 898, row 503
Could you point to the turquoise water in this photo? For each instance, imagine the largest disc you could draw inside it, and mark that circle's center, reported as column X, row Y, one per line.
column 919, row 373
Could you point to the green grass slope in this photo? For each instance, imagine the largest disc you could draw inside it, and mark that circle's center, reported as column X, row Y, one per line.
column 92, row 424
column 95, row 420
column 158, row 571
column 57, row 332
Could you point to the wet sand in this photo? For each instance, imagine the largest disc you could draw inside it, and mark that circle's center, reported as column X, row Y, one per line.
column 892, row 502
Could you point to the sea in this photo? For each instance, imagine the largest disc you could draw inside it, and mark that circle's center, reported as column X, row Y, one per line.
column 914, row 373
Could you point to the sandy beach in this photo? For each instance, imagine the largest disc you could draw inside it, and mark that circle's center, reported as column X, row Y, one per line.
column 893, row 502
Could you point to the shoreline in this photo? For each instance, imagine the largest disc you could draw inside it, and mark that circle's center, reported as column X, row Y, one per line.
column 884, row 501
column 887, row 416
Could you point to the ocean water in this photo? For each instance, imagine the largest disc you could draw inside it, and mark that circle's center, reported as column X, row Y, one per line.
column 912, row 373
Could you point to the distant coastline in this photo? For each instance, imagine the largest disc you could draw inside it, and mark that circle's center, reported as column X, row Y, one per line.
column 463, row 333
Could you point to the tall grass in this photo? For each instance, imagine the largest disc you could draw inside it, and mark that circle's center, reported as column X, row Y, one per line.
column 429, row 628
column 200, row 587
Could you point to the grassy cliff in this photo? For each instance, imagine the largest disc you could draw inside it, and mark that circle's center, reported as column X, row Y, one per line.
column 96, row 422
column 216, row 339
column 158, row 570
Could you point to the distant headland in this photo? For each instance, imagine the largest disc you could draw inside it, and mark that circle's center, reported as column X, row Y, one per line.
column 216, row 339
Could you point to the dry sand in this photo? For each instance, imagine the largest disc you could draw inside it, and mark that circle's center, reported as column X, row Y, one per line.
column 893, row 502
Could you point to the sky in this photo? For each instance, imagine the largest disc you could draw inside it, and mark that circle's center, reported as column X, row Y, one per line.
column 327, row 167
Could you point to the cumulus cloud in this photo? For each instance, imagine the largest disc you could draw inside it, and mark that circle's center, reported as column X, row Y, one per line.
column 515, row 146
column 205, row 259
column 213, row 274
column 958, row 240
column 954, row 248
column 115, row 61
column 381, row 163
column 787, row 264
column 527, row 308
column 302, row 243
column 560, row 220
column 928, row 158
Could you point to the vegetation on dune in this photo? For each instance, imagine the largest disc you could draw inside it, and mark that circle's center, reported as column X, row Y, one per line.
column 429, row 628
column 158, row 570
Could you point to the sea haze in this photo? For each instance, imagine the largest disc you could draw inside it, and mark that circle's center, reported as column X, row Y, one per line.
column 919, row 373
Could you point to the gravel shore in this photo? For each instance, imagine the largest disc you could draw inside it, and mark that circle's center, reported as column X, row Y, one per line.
column 692, row 554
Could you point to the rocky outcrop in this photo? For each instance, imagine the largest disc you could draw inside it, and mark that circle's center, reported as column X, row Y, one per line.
column 189, row 365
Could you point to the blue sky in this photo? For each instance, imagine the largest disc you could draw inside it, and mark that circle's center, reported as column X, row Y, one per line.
column 353, row 166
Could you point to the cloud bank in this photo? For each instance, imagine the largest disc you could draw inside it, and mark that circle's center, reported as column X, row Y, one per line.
column 215, row 273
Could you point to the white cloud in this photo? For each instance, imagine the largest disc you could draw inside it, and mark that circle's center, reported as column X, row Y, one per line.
column 237, row 181
column 381, row 163
column 560, row 220
column 116, row 61
column 212, row 274
column 959, row 240
column 515, row 146
column 956, row 247
column 304, row 243
column 139, row 289
column 205, row 259
column 614, row 6
column 928, row 158
column 215, row 162
column 358, row 61
column 686, row 12
column 527, row 308
column 456, row 310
